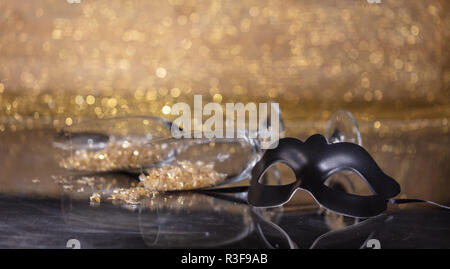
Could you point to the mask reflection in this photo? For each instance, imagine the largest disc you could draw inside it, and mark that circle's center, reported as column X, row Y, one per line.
column 207, row 219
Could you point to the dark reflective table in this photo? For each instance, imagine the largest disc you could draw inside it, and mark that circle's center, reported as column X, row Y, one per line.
column 196, row 220
column 36, row 212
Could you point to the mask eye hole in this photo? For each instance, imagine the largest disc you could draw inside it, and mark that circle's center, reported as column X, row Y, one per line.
column 349, row 182
column 278, row 174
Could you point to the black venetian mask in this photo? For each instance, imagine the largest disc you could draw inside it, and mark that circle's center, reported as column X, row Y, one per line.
column 313, row 162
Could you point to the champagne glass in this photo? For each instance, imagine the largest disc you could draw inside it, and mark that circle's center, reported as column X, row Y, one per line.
column 342, row 127
column 145, row 146
column 112, row 144
column 134, row 143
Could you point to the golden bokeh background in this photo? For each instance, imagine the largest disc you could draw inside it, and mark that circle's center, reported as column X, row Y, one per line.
column 389, row 64
column 105, row 58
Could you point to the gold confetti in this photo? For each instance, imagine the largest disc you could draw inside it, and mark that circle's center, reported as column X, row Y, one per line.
column 95, row 198
column 116, row 156
column 182, row 175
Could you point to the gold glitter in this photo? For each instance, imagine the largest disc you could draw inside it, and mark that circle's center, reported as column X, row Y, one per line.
column 217, row 98
column 161, row 72
column 68, row 187
column 112, row 102
column 79, row 100
column 132, row 195
column 95, row 198
column 166, row 109
column 69, row 121
column 90, row 100
column 183, row 175
column 175, row 92
column 377, row 125
column 115, row 156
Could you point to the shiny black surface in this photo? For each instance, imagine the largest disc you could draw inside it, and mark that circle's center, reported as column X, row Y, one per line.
column 195, row 220
column 37, row 212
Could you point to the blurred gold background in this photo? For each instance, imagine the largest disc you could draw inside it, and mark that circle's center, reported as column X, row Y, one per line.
column 388, row 63
column 106, row 58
